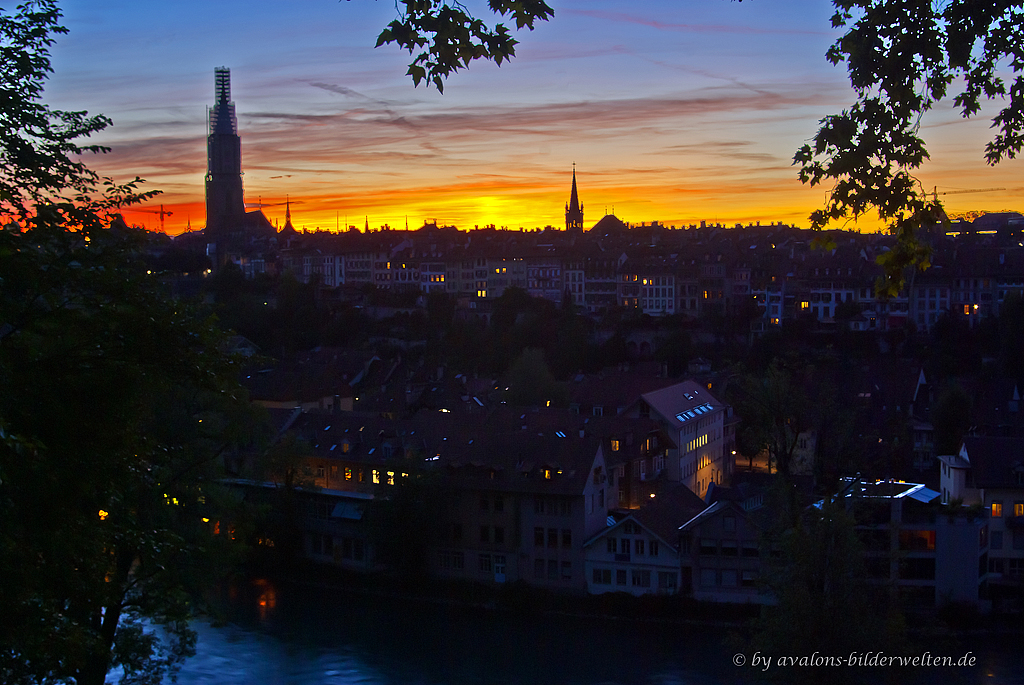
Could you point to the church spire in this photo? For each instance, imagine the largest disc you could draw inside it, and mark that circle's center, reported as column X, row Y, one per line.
column 225, row 209
column 574, row 210
column 288, row 214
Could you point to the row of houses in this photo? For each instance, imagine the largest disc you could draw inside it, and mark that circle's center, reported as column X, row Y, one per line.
column 642, row 499
column 770, row 272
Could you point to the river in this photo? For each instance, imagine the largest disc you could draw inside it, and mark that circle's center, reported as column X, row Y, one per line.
column 305, row 636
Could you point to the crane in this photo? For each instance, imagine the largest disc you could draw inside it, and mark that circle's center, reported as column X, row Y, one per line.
column 259, row 204
column 162, row 212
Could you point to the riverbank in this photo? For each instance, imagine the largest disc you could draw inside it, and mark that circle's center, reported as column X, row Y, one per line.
column 521, row 598
column 513, row 597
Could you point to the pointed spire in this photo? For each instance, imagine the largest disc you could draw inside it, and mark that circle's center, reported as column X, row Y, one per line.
column 288, row 215
column 366, row 229
column 574, row 210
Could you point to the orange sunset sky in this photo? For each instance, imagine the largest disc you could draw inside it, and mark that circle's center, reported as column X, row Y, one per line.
column 674, row 111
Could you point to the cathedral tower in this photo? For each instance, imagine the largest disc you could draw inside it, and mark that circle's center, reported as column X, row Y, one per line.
column 574, row 210
column 225, row 207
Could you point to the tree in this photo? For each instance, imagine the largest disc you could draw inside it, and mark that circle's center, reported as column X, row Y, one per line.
column 449, row 37
column 951, row 417
column 775, row 412
column 530, row 382
column 902, row 57
column 824, row 604
column 116, row 404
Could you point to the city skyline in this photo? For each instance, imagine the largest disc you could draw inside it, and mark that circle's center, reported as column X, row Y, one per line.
column 675, row 112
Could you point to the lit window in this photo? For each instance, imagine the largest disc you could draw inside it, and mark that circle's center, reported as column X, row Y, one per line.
column 1018, row 509
column 997, row 510
column 615, row 445
column 376, row 477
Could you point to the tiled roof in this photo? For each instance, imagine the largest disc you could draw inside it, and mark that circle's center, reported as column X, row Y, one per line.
column 682, row 402
column 996, row 462
column 666, row 513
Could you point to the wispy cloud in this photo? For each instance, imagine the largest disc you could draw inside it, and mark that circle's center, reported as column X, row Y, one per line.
column 622, row 17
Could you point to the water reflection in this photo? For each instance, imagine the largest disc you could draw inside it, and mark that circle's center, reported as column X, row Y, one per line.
column 283, row 634
column 266, row 602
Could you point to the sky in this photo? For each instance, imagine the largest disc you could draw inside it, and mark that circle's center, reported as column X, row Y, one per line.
column 678, row 111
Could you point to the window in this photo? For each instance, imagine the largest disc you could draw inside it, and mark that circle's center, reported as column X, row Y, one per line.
column 729, row 577
column 1015, row 567
column 612, row 545
column 538, row 568
column 615, row 445
column 567, row 570
column 624, row 546
column 708, row 577
column 667, row 581
column 538, row 537
column 997, row 509
column 1018, row 508
column 538, row 505
column 485, row 534
column 320, row 472
column 750, row 549
column 1018, row 539
column 653, row 548
column 449, row 560
column 348, row 473
column 499, row 535
column 708, row 547
column 917, row 540
column 749, row 579
column 552, row 537
column 566, row 538
column 638, row 546
column 602, row 576
column 620, row 576
column 641, row 578
column 729, row 524
column 996, row 541
column 552, row 569
column 729, row 548
column 485, row 563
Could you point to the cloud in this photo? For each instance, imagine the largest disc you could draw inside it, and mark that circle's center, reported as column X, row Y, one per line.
column 622, row 17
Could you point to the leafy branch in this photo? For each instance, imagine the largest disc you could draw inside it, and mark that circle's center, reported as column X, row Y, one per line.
column 902, row 56
column 448, row 37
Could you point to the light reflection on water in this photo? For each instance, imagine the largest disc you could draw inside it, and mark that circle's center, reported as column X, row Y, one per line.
column 301, row 636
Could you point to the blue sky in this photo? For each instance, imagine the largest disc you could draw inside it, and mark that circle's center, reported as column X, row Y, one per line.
column 672, row 110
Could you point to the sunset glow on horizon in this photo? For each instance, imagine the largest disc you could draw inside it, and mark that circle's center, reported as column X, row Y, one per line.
column 677, row 112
